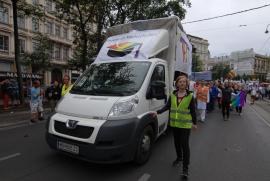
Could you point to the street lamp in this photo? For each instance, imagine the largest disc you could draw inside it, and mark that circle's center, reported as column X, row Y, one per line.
column 266, row 31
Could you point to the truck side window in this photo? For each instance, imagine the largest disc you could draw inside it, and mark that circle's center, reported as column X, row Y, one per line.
column 157, row 83
column 158, row 74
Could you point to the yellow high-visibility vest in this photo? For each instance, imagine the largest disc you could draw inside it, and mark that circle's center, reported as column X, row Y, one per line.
column 180, row 116
column 65, row 89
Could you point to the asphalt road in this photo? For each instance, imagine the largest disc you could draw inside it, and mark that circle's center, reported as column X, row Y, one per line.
column 235, row 150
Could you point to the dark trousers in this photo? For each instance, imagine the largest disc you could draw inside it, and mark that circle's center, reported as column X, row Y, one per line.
column 181, row 142
column 219, row 102
column 238, row 109
column 226, row 108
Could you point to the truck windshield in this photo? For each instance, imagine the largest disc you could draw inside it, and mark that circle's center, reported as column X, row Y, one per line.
column 112, row 79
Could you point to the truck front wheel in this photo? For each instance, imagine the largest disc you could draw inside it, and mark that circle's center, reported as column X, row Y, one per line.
column 144, row 146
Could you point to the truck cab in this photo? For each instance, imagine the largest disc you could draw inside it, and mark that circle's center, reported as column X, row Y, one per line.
column 107, row 117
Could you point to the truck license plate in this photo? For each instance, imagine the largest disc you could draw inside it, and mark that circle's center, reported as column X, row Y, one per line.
column 68, row 147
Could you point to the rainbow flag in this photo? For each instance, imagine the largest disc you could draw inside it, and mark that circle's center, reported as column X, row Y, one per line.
column 236, row 101
column 239, row 99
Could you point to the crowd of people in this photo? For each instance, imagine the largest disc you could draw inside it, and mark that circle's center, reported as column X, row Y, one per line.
column 52, row 94
column 228, row 95
column 9, row 92
column 34, row 94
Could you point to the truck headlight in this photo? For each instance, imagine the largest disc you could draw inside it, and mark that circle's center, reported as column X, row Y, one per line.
column 124, row 107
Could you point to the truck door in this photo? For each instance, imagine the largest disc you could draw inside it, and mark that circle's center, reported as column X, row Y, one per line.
column 157, row 95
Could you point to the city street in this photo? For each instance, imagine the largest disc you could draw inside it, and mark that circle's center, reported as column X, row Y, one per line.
column 234, row 150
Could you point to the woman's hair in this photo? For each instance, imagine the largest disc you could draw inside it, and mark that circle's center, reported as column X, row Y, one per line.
column 182, row 77
column 67, row 76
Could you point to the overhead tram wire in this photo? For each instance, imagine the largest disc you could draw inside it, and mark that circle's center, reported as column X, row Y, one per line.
column 230, row 14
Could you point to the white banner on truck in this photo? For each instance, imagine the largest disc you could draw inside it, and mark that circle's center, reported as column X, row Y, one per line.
column 183, row 54
column 134, row 45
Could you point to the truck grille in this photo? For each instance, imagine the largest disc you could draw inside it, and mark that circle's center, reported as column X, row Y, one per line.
column 79, row 131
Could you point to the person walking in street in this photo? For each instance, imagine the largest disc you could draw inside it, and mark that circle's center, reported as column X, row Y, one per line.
column 14, row 92
column 262, row 91
column 219, row 96
column 35, row 101
column 242, row 96
column 203, row 97
column 226, row 101
column 182, row 119
column 40, row 104
column 53, row 94
column 66, row 85
column 5, row 93
column 268, row 91
column 253, row 94
column 213, row 96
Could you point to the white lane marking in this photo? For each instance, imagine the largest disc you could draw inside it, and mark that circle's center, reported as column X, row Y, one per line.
column 9, row 157
column 266, row 122
column 145, row 177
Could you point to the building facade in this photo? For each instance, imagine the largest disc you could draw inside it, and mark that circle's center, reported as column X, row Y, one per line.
column 59, row 33
column 201, row 46
column 244, row 62
column 261, row 66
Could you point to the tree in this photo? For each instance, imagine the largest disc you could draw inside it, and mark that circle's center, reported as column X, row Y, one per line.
column 89, row 29
column 25, row 9
column 220, row 70
column 80, row 14
column 39, row 59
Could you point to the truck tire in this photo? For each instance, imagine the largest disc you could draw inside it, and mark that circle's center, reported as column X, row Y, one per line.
column 144, row 146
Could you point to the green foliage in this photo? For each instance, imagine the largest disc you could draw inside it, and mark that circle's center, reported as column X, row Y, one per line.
column 220, row 70
column 26, row 9
column 90, row 19
column 197, row 64
column 39, row 59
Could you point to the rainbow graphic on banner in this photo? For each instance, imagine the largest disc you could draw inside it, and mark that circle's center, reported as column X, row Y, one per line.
column 122, row 49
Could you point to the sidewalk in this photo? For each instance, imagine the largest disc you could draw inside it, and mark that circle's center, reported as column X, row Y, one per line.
column 17, row 116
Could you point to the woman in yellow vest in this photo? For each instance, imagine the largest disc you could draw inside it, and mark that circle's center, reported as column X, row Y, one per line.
column 182, row 119
column 66, row 85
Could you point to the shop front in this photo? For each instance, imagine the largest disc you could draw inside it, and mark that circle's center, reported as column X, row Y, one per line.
column 27, row 79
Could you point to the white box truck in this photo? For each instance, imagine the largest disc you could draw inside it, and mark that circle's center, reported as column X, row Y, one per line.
column 106, row 116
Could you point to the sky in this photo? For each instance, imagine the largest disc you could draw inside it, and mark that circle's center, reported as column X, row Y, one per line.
column 231, row 33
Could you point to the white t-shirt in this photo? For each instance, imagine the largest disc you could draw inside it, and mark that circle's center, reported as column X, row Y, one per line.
column 253, row 92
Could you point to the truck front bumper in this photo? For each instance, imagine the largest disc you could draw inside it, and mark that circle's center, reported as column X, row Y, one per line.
column 116, row 142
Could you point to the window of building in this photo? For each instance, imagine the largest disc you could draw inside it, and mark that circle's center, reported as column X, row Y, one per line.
column 65, row 33
column 21, row 22
column 49, row 28
column 24, row 68
column 35, row 24
column 22, row 44
column 57, row 51
column 57, row 30
column 3, row 14
column 51, row 50
column 5, row 67
column 48, row 5
column 35, row 2
column 34, row 45
column 65, row 53
column 4, row 43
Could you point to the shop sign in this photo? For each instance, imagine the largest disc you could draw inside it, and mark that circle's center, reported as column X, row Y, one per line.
column 24, row 75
